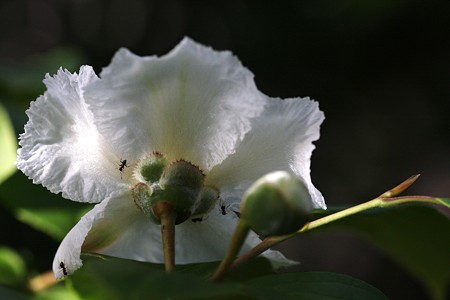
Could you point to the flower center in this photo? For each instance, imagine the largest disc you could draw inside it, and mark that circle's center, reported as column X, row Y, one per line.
column 178, row 183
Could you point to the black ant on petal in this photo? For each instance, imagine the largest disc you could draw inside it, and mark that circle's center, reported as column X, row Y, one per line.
column 122, row 166
column 63, row 267
column 223, row 207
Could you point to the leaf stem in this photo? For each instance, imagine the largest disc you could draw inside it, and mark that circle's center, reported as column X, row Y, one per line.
column 239, row 236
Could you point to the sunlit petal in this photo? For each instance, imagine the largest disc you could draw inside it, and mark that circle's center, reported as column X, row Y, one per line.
column 61, row 147
column 280, row 139
column 193, row 103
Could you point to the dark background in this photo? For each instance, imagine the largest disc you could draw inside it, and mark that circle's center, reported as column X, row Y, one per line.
column 380, row 70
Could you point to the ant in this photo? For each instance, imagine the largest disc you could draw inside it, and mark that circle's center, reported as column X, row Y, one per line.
column 223, row 207
column 63, row 267
column 123, row 164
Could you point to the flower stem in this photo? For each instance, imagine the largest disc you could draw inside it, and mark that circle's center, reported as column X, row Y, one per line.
column 167, row 216
column 237, row 241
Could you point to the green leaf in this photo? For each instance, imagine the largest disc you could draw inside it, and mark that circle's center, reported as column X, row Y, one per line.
column 161, row 286
column 41, row 209
column 444, row 201
column 254, row 268
column 417, row 236
column 12, row 267
column 312, row 285
column 104, row 277
column 58, row 292
column 19, row 81
column 10, row 294
column 8, row 146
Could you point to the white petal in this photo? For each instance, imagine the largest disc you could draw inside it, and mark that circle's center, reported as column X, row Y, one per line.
column 61, row 148
column 99, row 227
column 193, row 103
column 196, row 242
column 68, row 253
column 209, row 239
column 116, row 227
column 280, row 139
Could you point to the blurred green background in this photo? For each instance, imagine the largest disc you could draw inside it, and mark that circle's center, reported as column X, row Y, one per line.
column 380, row 70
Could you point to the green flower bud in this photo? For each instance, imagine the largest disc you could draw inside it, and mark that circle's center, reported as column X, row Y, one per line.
column 180, row 185
column 152, row 167
column 277, row 204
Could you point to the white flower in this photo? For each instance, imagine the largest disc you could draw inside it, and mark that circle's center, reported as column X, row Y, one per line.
column 194, row 104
